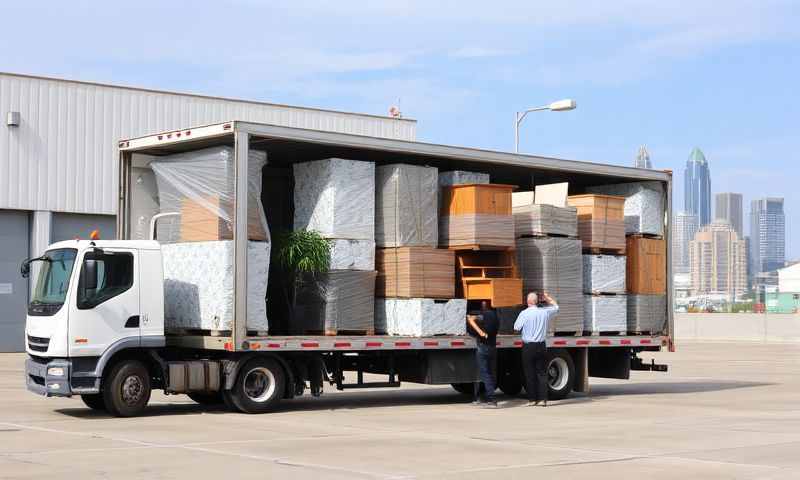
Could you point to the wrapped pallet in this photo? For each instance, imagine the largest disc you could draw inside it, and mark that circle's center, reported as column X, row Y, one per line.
column 644, row 205
column 339, row 301
column 406, row 204
column 476, row 216
column 601, row 223
column 647, row 314
column 605, row 313
column 335, row 197
column 461, row 177
column 554, row 265
column 544, row 220
column 646, row 270
column 410, row 272
column 349, row 254
column 604, row 274
column 420, row 317
column 198, row 285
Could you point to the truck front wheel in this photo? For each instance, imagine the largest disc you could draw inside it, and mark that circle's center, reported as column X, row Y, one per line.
column 259, row 386
column 126, row 390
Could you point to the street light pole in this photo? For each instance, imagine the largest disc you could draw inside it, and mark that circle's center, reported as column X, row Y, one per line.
column 559, row 106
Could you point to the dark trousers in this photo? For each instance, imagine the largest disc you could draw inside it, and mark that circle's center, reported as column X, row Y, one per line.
column 486, row 356
column 534, row 364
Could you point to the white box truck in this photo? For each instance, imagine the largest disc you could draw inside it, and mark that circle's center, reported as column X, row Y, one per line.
column 96, row 321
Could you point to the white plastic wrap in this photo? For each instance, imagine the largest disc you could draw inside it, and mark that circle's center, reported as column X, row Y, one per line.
column 461, row 177
column 604, row 273
column 352, row 254
column 339, row 300
column 420, row 317
column 536, row 219
column 206, row 179
column 406, row 206
column 198, row 285
column 335, row 197
column 605, row 313
column 554, row 265
column 644, row 205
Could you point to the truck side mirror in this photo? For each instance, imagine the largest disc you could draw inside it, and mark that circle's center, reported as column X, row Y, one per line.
column 89, row 274
column 25, row 268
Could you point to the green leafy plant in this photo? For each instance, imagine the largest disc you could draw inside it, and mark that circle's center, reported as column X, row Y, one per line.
column 303, row 254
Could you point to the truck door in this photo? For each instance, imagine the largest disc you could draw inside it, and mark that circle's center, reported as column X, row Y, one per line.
column 106, row 307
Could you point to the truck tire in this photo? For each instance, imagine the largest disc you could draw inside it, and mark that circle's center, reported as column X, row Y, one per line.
column 560, row 374
column 126, row 389
column 259, row 386
column 94, row 401
column 212, row 398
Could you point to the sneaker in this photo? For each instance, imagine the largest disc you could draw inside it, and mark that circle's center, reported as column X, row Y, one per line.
column 544, row 403
column 477, row 402
column 490, row 405
column 532, row 403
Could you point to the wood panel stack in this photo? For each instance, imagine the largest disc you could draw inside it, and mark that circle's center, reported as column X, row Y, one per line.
column 646, row 280
column 476, row 216
column 601, row 222
column 491, row 276
column 415, row 272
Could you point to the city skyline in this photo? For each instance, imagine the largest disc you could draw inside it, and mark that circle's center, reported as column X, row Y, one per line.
column 728, row 206
column 718, row 261
column 767, row 235
column 697, row 187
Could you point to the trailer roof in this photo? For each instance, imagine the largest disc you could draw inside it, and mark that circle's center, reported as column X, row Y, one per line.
column 296, row 144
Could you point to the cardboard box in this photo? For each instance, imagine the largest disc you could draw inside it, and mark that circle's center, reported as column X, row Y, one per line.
column 601, row 221
column 200, row 220
column 646, row 271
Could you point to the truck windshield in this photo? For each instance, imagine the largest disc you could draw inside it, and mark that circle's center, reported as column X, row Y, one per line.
column 53, row 282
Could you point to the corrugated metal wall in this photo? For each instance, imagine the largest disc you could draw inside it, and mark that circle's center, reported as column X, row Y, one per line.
column 63, row 155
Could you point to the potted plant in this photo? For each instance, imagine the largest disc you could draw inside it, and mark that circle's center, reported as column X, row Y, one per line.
column 303, row 254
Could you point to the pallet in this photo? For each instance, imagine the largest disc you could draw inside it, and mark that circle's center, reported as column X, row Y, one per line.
column 644, row 333
column 604, row 251
column 547, row 235
column 480, row 247
column 331, row 333
column 576, row 333
column 613, row 333
column 652, row 236
column 605, row 294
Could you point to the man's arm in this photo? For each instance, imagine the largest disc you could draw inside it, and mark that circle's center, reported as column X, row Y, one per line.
column 519, row 322
column 475, row 326
column 550, row 300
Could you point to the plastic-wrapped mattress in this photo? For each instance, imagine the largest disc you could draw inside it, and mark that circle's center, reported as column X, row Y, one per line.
column 420, row 317
column 647, row 313
column 554, row 265
column 339, row 300
column 604, row 273
column 198, row 285
column 605, row 313
column 406, row 206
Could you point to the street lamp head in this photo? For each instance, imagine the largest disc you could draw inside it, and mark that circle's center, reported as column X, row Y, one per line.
column 563, row 105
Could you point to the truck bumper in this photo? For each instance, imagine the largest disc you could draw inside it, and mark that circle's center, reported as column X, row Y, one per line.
column 39, row 378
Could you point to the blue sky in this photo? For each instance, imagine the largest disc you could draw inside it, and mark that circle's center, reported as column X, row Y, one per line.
column 722, row 76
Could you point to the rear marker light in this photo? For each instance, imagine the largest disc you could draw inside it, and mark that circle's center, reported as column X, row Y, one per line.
column 517, row 343
column 273, row 345
column 431, row 344
column 644, row 341
column 582, row 342
column 309, row 344
column 188, row 132
column 457, row 343
column 341, row 345
column 374, row 344
column 624, row 342
column 560, row 342
column 402, row 344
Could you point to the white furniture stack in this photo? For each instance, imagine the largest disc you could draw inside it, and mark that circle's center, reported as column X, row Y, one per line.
column 420, row 317
column 605, row 302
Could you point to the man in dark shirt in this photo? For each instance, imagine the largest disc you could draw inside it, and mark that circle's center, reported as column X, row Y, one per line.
column 485, row 331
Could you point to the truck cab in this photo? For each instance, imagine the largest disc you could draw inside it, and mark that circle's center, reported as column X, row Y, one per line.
column 94, row 303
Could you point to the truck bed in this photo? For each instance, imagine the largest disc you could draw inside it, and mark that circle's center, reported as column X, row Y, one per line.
column 387, row 342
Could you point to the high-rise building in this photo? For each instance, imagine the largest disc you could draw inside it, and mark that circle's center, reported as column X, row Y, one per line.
column 697, row 187
column 728, row 206
column 643, row 158
column 767, row 235
column 718, row 261
column 684, row 228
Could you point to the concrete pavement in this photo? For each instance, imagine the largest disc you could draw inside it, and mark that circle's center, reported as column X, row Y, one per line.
column 723, row 411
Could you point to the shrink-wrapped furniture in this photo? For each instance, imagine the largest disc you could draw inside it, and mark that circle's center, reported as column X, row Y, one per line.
column 420, row 317
column 644, row 205
column 604, row 273
column 198, row 285
column 646, row 271
column 335, row 197
column 647, row 314
column 349, row 254
column 490, row 276
column 461, row 177
column 476, row 216
column 605, row 313
column 406, row 204
column 410, row 272
column 336, row 302
column 543, row 220
column 601, row 221
column 554, row 265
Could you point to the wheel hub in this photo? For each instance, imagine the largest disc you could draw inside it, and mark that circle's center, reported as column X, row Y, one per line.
column 557, row 373
column 132, row 390
column 259, row 384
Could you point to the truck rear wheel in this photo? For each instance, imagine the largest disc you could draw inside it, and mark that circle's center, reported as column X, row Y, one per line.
column 259, row 386
column 94, row 401
column 126, row 389
column 560, row 374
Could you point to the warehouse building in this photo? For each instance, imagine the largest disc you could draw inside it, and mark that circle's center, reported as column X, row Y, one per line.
column 58, row 160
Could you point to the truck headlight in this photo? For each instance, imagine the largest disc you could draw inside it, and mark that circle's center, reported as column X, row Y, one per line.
column 55, row 371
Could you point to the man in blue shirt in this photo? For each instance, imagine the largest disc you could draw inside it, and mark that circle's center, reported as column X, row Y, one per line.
column 532, row 322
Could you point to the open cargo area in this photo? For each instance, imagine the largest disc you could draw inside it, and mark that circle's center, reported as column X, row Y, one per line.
column 397, row 211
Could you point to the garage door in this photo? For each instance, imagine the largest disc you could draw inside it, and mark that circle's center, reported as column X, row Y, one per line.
column 13, row 288
column 67, row 226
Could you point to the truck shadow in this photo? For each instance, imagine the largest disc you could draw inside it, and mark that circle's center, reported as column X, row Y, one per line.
column 429, row 397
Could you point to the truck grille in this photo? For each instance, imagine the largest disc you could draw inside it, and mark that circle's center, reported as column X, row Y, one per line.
column 38, row 344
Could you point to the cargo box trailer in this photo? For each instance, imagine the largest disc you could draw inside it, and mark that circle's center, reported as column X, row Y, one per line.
column 96, row 323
